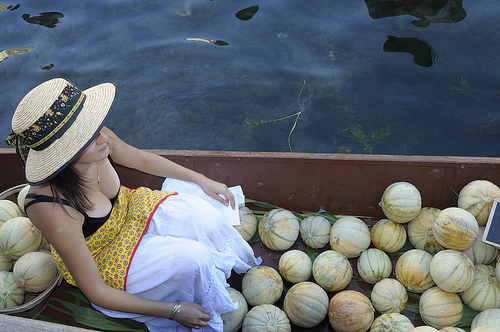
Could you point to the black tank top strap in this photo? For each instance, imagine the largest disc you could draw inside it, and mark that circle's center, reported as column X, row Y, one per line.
column 43, row 198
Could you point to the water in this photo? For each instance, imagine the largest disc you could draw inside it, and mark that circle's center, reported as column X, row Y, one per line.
column 372, row 76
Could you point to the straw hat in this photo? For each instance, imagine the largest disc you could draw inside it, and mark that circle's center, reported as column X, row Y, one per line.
column 55, row 122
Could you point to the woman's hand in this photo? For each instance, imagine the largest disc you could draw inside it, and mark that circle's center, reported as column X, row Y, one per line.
column 193, row 315
column 213, row 189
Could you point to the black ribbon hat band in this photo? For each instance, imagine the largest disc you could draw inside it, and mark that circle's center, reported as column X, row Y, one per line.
column 51, row 125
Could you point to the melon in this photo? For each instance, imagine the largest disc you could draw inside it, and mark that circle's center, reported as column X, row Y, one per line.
column 248, row 223
column 9, row 210
column 452, row 270
column 413, row 270
column 233, row 320
column 455, row 228
column 486, row 329
column 424, row 328
column 388, row 235
column 497, row 269
column 332, row 271
column 451, row 329
column 279, row 229
column 401, row 202
column 388, row 296
column 11, row 295
column 477, row 197
column 44, row 244
column 439, row 308
column 393, row 322
column 420, row 233
column 374, row 265
column 19, row 236
column 315, row 231
column 480, row 252
column 262, row 285
column 266, row 318
column 5, row 263
column 306, row 304
column 489, row 317
column 35, row 271
column 295, row 266
column 350, row 236
column 350, row 311
column 22, row 196
column 484, row 293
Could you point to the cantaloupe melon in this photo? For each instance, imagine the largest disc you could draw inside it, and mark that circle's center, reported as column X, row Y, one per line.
column 248, row 223
column 306, row 304
column 233, row 320
column 295, row 266
column 262, row 285
column 35, row 271
column 22, row 196
column 477, row 197
column 279, row 229
column 11, row 294
column 19, row 236
column 266, row 318
column 401, row 202
column 315, row 231
column 9, row 210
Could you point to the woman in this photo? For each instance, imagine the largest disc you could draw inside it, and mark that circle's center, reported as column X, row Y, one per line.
column 160, row 258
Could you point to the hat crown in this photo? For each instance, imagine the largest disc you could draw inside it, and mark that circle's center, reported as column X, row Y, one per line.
column 34, row 105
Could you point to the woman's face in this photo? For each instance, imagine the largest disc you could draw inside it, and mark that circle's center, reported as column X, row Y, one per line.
column 97, row 150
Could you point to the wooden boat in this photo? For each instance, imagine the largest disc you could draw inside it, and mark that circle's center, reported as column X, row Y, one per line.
column 338, row 183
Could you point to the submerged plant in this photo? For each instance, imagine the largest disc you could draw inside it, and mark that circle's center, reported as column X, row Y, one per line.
column 303, row 105
column 366, row 139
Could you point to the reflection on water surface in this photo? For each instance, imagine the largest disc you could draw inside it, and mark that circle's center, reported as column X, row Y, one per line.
column 382, row 76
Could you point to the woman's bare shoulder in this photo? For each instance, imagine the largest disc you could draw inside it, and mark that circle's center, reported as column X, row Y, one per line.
column 52, row 218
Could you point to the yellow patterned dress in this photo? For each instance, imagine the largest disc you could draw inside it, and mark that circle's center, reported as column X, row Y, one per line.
column 113, row 245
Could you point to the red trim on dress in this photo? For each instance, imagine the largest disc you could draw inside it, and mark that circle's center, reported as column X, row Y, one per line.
column 142, row 235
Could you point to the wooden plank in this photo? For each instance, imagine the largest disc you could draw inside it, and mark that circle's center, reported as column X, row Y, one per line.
column 13, row 323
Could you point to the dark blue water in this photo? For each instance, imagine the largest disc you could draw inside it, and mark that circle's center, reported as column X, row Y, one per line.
column 381, row 76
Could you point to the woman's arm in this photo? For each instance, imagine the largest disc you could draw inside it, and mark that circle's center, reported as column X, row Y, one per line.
column 64, row 232
column 129, row 156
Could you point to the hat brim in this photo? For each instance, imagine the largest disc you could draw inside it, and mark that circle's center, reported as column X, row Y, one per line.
column 41, row 166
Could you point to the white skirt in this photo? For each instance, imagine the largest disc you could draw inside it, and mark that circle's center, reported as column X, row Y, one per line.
column 187, row 254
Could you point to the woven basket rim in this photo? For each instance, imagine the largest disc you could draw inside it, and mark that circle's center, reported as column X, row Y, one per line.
column 6, row 193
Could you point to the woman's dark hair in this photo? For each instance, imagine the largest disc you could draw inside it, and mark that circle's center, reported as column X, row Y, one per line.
column 69, row 183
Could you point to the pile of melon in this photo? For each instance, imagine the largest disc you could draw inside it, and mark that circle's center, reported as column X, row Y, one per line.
column 434, row 257
column 26, row 264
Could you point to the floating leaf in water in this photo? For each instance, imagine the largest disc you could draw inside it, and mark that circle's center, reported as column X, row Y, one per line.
column 204, row 40
column 9, row 52
column 247, row 13
column 423, row 54
column 46, row 67
column 220, row 43
column 5, row 7
column 47, row 19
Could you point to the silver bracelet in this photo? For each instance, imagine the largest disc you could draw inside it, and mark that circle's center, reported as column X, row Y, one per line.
column 176, row 310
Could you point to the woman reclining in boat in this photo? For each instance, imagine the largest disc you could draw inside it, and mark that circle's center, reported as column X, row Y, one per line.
column 159, row 257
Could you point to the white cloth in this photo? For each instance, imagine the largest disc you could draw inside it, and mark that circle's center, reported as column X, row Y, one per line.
column 187, row 254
